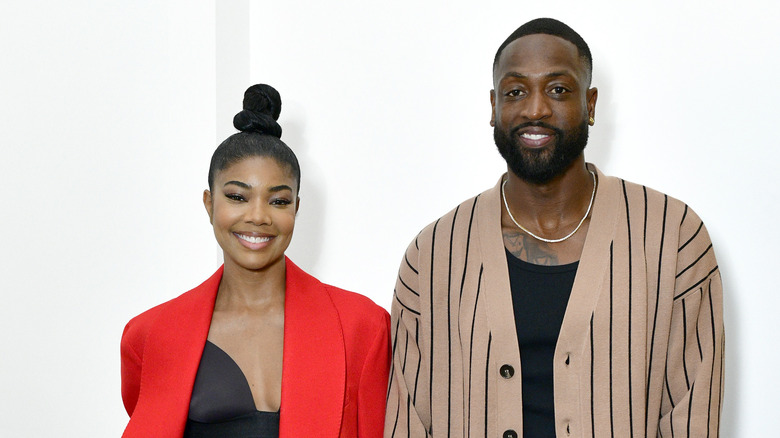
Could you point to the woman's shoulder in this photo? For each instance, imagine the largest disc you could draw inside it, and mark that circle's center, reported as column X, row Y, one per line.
column 358, row 313
column 139, row 325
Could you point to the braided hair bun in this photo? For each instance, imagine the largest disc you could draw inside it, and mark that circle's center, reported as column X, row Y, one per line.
column 262, row 105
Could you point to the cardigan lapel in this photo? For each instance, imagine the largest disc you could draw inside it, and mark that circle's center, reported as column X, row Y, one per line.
column 594, row 262
column 314, row 359
column 171, row 358
column 500, row 313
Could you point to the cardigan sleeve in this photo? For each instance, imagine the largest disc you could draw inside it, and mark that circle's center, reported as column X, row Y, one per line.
column 408, row 407
column 693, row 391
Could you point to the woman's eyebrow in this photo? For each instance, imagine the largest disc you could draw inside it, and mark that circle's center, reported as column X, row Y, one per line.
column 279, row 188
column 238, row 183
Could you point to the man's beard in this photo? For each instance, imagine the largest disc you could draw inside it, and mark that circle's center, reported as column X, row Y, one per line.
column 540, row 166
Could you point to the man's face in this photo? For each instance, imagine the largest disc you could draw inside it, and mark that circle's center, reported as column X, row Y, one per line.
column 541, row 105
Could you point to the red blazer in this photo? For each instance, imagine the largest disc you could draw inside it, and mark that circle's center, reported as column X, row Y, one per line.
column 334, row 369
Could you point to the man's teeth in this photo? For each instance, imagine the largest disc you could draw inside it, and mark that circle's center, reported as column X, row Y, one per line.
column 251, row 239
column 534, row 136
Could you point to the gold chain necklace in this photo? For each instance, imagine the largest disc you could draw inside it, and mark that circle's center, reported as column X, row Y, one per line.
column 592, row 197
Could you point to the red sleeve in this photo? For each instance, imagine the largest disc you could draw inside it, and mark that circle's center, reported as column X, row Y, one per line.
column 131, row 350
column 372, row 391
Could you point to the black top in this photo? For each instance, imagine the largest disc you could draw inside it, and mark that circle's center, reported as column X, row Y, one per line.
column 539, row 298
column 222, row 405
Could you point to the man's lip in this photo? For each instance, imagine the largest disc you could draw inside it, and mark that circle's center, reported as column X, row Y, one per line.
column 538, row 130
column 535, row 136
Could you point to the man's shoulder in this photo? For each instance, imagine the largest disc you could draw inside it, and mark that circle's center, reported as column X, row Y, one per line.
column 464, row 209
column 649, row 199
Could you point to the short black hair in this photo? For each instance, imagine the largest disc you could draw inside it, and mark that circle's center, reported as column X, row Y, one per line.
column 550, row 26
column 260, row 135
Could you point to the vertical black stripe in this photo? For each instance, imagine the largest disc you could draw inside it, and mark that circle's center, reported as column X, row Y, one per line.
column 431, row 291
column 698, row 338
column 644, row 189
column 720, row 384
column 630, row 311
column 406, row 348
column 685, row 345
column 392, row 368
column 408, row 414
column 471, row 343
column 468, row 243
column 449, row 325
column 395, row 424
column 690, row 409
column 666, row 383
column 657, row 300
column 487, row 380
column 712, row 371
column 419, row 360
column 611, row 319
column 592, row 389
column 685, row 213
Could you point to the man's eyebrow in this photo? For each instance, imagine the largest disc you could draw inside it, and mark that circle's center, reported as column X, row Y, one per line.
column 238, row 183
column 551, row 74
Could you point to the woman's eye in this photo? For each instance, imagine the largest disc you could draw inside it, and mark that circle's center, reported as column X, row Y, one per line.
column 280, row 201
column 234, row 197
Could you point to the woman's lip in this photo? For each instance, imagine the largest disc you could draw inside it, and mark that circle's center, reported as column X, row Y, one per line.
column 254, row 241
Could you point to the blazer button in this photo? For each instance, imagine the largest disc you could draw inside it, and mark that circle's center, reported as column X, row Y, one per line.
column 507, row 372
column 510, row 434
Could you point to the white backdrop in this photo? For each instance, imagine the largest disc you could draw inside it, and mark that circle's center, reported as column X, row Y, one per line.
column 109, row 112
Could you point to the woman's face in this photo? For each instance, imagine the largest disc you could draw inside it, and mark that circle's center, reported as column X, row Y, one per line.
column 252, row 209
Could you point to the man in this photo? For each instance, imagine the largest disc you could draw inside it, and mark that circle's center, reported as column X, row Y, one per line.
column 606, row 292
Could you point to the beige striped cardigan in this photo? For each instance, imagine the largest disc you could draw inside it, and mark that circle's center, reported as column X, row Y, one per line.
column 640, row 351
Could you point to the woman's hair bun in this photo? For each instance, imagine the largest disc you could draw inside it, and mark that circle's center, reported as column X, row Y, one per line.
column 262, row 105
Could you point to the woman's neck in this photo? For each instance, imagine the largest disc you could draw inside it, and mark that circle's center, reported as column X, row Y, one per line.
column 244, row 288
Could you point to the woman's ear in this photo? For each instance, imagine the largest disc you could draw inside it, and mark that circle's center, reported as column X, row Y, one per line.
column 208, row 202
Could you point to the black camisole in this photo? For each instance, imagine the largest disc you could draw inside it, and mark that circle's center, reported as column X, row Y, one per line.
column 222, row 405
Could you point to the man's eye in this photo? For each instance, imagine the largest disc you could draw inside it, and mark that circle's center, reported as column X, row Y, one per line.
column 558, row 90
column 235, row 197
column 514, row 93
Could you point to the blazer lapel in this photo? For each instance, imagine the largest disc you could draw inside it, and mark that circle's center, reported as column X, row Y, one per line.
column 314, row 359
column 172, row 354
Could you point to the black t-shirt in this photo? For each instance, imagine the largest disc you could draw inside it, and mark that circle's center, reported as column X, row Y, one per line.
column 539, row 298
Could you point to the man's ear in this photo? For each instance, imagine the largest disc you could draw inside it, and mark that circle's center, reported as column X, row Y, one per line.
column 492, row 107
column 592, row 96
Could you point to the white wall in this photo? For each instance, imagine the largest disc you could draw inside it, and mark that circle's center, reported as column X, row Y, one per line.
column 110, row 111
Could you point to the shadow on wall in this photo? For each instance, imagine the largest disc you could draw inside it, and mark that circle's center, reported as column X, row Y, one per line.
column 306, row 247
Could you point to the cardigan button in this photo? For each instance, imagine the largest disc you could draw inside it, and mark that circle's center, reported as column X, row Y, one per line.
column 510, row 434
column 507, row 371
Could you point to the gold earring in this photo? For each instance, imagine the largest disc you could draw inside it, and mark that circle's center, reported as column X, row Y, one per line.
column 591, row 121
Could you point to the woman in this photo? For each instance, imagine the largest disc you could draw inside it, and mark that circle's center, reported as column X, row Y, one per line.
column 260, row 349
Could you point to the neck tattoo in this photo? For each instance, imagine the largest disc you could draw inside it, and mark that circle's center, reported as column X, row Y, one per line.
column 592, row 197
